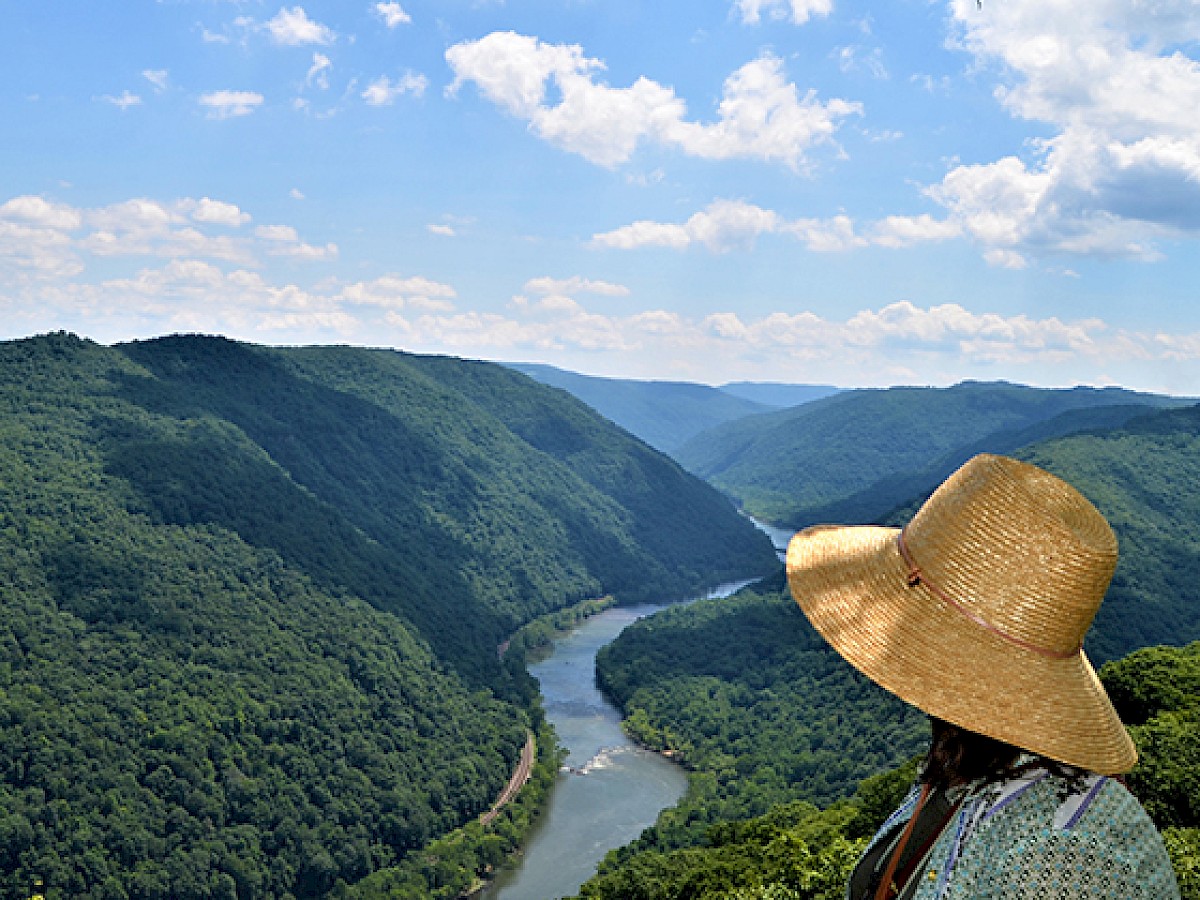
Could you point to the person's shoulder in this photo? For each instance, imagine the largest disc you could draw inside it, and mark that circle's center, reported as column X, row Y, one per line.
column 1083, row 835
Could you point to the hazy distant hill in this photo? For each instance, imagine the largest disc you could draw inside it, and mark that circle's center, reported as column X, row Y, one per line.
column 664, row 414
column 252, row 599
column 851, row 456
column 779, row 394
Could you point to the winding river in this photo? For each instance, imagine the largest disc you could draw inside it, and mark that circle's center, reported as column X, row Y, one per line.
column 610, row 790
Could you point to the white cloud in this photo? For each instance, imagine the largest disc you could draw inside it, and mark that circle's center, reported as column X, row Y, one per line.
column 392, row 14
column 798, row 11
column 40, row 238
column 227, row 104
column 854, row 58
column 284, row 240
column 904, row 231
column 728, row 224
column 383, row 91
column 306, row 252
column 442, row 230
column 393, row 292
column 1005, row 259
column 760, row 116
column 296, row 194
column 1114, row 81
column 157, row 77
column 39, row 212
column 217, row 212
column 212, row 37
column 884, row 345
column 318, row 72
column 292, row 27
column 277, row 233
column 32, row 249
column 575, row 285
column 124, row 101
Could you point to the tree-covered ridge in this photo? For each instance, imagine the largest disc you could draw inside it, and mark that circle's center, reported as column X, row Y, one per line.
column 1145, row 478
column 186, row 715
column 673, row 518
column 797, row 852
column 851, row 456
column 252, row 602
column 447, row 494
column 750, row 699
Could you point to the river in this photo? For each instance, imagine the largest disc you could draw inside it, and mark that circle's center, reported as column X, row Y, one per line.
column 611, row 790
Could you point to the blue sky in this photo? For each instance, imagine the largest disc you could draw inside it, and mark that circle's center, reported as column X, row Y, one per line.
column 775, row 190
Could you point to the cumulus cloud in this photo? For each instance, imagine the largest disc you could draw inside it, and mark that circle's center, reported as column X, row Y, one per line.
column 904, row 231
column 40, row 212
column 1122, row 168
column 41, row 238
column 284, row 240
column 798, row 11
column 292, row 27
column 392, row 14
column 394, row 293
column 216, row 212
column 760, row 116
column 442, row 230
column 228, row 104
column 383, row 91
column 728, row 224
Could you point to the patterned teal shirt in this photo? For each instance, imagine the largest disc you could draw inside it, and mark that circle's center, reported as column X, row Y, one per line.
column 1032, row 838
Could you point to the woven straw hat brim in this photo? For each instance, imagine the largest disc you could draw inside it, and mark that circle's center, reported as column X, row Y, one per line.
column 852, row 584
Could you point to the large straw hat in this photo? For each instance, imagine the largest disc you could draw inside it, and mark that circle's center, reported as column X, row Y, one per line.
column 976, row 611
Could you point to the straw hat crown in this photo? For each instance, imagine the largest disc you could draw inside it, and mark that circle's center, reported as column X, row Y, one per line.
column 1018, row 548
column 977, row 610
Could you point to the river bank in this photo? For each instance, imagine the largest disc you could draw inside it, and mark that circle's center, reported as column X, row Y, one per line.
column 609, row 789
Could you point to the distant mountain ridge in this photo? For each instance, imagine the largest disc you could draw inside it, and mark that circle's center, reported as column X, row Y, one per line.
column 666, row 414
column 779, row 394
column 852, row 456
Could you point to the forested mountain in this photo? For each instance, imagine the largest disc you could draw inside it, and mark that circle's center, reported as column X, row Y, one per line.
column 664, row 414
column 853, row 456
column 797, row 852
column 252, row 599
column 769, row 718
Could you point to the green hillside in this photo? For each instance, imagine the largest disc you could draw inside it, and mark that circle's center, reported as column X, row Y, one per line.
column 252, row 601
column 769, row 719
column 664, row 414
column 800, row 466
column 745, row 693
column 796, row 851
column 1145, row 478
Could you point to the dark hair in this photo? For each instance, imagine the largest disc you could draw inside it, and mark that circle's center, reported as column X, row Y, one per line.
column 957, row 756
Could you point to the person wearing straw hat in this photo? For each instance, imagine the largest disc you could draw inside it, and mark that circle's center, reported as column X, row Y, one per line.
column 975, row 613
